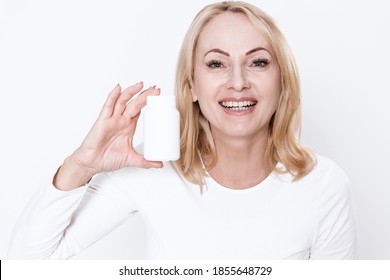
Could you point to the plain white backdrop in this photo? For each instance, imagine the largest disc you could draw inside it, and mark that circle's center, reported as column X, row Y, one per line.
column 59, row 59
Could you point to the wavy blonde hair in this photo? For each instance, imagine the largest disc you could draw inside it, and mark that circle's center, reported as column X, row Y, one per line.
column 196, row 137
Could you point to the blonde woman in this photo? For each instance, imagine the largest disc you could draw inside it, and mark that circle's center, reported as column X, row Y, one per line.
column 243, row 187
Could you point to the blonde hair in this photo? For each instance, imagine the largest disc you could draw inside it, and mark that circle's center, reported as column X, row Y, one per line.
column 196, row 137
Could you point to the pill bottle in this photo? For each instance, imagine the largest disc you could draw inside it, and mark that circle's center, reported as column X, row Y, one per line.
column 161, row 128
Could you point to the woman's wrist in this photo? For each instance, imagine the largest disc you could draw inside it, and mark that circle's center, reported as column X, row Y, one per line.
column 71, row 175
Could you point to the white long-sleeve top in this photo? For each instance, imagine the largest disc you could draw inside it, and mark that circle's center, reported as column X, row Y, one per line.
column 277, row 219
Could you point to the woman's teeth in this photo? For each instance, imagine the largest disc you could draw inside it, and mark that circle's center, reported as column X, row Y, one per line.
column 238, row 106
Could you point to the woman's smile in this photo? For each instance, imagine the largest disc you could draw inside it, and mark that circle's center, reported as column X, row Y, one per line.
column 238, row 106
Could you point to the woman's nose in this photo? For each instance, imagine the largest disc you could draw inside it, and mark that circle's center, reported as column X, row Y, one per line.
column 237, row 79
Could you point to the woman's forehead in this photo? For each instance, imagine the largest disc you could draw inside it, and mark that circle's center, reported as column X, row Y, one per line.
column 231, row 32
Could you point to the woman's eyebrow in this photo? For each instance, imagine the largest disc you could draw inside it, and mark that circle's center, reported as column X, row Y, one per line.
column 255, row 50
column 217, row 51
column 227, row 54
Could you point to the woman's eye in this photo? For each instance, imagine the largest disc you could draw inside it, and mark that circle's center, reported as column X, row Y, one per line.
column 215, row 64
column 260, row 62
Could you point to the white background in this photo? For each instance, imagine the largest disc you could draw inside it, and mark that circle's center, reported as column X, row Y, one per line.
column 59, row 59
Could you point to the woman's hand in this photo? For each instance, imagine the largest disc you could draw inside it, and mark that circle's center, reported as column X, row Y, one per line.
column 108, row 145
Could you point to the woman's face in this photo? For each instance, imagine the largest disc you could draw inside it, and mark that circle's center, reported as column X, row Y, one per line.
column 236, row 77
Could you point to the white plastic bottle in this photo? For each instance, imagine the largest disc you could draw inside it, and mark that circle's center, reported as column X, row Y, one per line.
column 161, row 129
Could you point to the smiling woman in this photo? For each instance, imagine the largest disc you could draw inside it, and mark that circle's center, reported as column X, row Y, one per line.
column 238, row 66
column 243, row 187
column 237, row 94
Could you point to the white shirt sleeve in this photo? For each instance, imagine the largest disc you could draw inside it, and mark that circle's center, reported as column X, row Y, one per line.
column 58, row 224
column 336, row 234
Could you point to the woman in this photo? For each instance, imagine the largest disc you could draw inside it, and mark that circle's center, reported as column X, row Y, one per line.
column 243, row 186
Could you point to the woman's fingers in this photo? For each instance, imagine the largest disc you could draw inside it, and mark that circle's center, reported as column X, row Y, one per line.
column 125, row 96
column 117, row 102
column 134, row 107
column 108, row 107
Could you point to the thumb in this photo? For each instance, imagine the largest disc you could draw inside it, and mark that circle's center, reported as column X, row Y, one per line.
column 151, row 164
column 138, row 160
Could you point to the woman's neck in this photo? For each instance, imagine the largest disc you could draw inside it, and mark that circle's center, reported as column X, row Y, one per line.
column 241, row 162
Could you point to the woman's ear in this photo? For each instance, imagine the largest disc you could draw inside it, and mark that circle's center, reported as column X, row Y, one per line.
column 193, row 92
